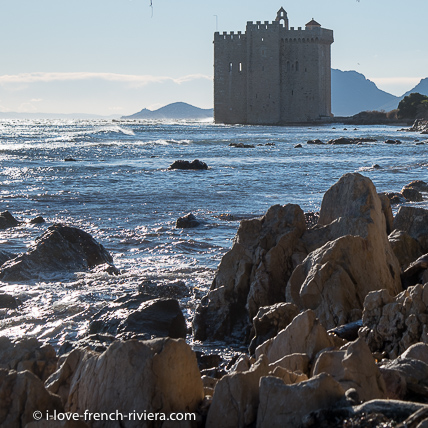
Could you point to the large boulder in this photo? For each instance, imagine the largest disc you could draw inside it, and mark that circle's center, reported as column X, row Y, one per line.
column 350, row 254
column 21, row 395
column 355, row 368
column 284, row 405
column 406, row 248
column 7, row 220
column 414, row 221
column 303, row 335
column 157, row 376
column 392, row 324
column 254, row 273
column 140, row 316
column 60, row 249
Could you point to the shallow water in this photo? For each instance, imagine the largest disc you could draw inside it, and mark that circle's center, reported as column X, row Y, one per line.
column 120, row 190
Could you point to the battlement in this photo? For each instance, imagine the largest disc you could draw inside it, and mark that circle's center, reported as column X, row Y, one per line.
column 228, row 36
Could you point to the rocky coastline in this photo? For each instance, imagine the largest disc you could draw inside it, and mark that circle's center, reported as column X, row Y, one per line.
column 333, row 307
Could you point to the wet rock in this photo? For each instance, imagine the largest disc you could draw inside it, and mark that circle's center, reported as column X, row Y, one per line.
column 159, row 375
column 70, row 159
column 22, row 394
column 236, row 398
column 172, row 290
column 28, row 354
column 347, row 331
column 355, row 368
column 316, row 142
column 342, row 141
column 406, row 248
column 140, row 316
column 37, row 220
column 7, row 220
column 284, row 405
column 269, row 321
column 303, row 335
column 392, row 142
column 207, row 361
column 414, row 221
column 242, row 145
column 349, row 254
column 8, row 302
column 60, row 249
column 392, row 324
column 252, row 274
column 183, row 164
column 298, row 146
column 187, row 221
column 419, row 185
column 411, row 194
column 5, row 256
column 395, row 198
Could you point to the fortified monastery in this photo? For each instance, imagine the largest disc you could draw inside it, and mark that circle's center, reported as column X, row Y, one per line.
column 273, row 74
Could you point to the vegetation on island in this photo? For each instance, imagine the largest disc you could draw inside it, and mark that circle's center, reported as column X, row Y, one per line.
column 413, row 106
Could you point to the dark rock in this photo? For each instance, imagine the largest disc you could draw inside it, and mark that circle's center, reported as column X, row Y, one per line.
column 298, row 146
column 70, row 159
column 392, row 142
column 414, row 273
column 141, row 317
column 37, row 220
column 395, row 198
column 182, row 164
column 60, row 249
column 411, row 195
column 342, row 140
column 95, row 342
column 406, row 248
column 7, row 220
column 208, row 361
column 347, row 331
column 420, row 185
column 414, row 221
column 376, row 166
column 8, row 302
column 176, row 289
column 187, row 221
column 242, row 145
column 319, row 142
column 311, row 219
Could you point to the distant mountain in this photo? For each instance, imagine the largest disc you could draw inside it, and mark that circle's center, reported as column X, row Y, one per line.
column 352, row 93
column 173, row 111
column 421, row 87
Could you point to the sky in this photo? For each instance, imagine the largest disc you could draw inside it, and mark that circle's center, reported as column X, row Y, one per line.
column 116, row 57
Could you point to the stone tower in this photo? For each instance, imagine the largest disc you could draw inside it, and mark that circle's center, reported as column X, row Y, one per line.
column 273, row 74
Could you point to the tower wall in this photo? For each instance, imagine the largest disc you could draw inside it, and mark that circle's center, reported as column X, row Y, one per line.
column 272, row 74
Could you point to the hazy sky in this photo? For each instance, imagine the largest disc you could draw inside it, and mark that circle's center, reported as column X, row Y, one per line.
column 115, row 57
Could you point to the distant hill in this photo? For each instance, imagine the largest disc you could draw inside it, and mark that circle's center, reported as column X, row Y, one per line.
column 421, row 87
column 173, row 111
column 352, row 93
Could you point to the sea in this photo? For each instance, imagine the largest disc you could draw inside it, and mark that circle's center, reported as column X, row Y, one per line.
column 120, row 190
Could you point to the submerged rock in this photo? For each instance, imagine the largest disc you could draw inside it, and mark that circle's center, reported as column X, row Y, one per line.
column 187, row 221
column 60, row 249
column 183, row 164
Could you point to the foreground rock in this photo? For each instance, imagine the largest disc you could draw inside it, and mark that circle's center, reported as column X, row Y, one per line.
column 155, row 376
column 182, row 164
column 252, row 274
column 350, row 254
column 22, row 394
column 140, row 316
column 60, row 249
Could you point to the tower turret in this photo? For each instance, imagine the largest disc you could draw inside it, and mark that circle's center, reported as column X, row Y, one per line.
column 282, row 16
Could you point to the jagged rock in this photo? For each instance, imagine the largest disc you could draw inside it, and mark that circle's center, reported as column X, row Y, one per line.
column 269, row 321
column 28, row 354
column 95, row 342
column 406, row 248
column 140, row 316
column 187, row 221
column 7, row 220
column 354, row 259
column 391, row 325
column 22, row 394
column 236, row 398
column 284, row 405
column 298, row 146
column 355, row 368
column 183, row 164
column 37, row 220
column 252, row 274
column 296, row 363
column 159, row 375
column 61, row 248
column 414, row 221
column 420, row 185
column 416, row 273
column 304, row 335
